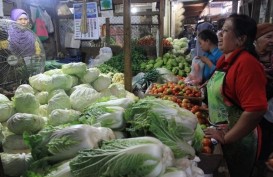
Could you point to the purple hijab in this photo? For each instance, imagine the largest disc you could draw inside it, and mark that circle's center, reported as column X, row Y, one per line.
column 16, row 13
column 21, row 40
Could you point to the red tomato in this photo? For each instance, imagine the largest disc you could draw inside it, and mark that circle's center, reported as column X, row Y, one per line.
column 206, row 142
column 207, row 150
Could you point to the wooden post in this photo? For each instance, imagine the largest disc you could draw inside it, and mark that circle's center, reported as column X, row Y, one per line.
column 127, row 45
column 55, row 20
column 107, row 36
column 161, row 26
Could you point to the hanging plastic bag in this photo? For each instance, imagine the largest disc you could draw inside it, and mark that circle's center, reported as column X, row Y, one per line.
column 196, row 75
column 48, row 21
column 40, row 27
column 104, row 55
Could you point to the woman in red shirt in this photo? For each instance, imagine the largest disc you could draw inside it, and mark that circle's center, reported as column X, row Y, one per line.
column 236, row 95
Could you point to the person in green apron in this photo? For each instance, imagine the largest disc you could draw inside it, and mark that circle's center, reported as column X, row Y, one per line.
column 236, row 95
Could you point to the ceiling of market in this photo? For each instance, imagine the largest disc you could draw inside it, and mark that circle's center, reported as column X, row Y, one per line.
column 193, row 8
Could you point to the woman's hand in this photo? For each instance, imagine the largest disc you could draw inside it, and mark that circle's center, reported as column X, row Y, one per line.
column 269, row 162
column 217, row 133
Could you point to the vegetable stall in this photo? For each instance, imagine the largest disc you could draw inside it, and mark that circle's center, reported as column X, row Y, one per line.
column 132, row 115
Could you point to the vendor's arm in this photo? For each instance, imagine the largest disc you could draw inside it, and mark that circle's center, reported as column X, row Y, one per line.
column 246, row 123
column 207, row 61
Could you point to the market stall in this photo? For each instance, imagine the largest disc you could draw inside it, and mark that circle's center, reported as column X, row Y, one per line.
column 133, row 114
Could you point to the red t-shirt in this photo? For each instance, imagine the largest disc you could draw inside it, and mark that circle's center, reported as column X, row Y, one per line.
column 245, row 81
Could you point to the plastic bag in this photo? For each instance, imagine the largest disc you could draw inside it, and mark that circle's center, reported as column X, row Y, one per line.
column 105, row 54
column 196, row 75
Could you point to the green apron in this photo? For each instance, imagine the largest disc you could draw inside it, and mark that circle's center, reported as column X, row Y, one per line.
column 240, row 156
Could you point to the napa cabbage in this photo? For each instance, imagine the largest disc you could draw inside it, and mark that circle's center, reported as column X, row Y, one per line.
column 15, row 164
column 13, row 142
column 143, row 156
column 59, row 143
column 165, row 120
column 105, row 116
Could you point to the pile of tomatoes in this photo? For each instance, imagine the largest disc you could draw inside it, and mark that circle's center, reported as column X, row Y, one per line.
column 166, row 43
column 147, row 41
column 176, row 89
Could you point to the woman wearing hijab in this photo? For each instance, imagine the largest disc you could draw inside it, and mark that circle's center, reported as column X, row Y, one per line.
column 21, row 41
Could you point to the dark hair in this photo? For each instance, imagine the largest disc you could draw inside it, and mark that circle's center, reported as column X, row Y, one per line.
column 245, row 26
column 208, row 35
column 220, row 23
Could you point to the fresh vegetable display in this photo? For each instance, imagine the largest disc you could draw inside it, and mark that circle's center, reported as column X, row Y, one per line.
column 176, row 89
column 117, row 61
column 178, row 65
column 69, row 121
column 165, row 120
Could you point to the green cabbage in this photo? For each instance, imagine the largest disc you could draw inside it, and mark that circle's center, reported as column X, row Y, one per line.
column 75, row 81
column 42, row 111
column 24, row 88
column 91, row 75
column 42, row 97
column 53, row 71
column 83, row 97
column 61, row 81
column 21, row 122
column 41, row 82
column 26, row 103
column 6, row 110
column 79, row 86
column 3, row 98
column 63, row 116
column 58, row 101
column 77, row 69
column 102, row 82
